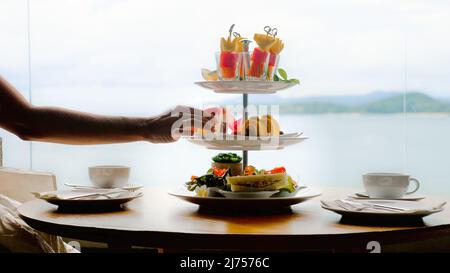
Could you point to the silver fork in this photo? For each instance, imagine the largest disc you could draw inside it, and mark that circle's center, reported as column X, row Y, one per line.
column 344, row 205
column 105, row 194
column 359, row 207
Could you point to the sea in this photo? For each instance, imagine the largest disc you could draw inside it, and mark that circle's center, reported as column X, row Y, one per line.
column 340, row 149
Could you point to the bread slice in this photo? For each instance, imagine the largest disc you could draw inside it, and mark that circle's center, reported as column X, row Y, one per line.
column 261, row 182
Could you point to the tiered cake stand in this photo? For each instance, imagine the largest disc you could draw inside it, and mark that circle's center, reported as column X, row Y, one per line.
column 245, row 88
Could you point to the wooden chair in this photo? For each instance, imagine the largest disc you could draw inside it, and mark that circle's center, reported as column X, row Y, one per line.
column 18, row 184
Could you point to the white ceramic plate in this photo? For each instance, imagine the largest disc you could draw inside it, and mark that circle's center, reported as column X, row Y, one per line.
column 94, row 204
column 289, row 194
column 376, row 214
column 246, row 203
column 411, row 197
column 285, row 136
column 258, row 194
column 249, row 87
column 248, row 144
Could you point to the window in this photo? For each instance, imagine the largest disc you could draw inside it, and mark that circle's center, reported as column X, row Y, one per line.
column 360, row 62
column 14, row 67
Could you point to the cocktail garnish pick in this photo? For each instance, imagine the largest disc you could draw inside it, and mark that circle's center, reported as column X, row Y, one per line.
column 271, row 31
column 265, row 42
column 231, row 30
column 267, row 30
column 274, row 32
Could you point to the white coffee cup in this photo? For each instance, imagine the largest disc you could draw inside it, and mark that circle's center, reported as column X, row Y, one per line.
column 388, row 185
column 109, row 176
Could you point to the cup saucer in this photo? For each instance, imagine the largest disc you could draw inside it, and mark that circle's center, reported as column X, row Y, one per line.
column 411, row 197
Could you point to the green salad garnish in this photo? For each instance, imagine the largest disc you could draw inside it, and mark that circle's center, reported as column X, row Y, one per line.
column 212, row 178
column 282, row 76
column 227, row 158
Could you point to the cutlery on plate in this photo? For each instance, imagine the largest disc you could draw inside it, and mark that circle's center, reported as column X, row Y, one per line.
column 358, row 206
column 372, row 204
column 342, row 205
column 97, row 194
column 375, row 205
column 86, row 187
column 80, row 186
column 345, row 206
column 349, row 206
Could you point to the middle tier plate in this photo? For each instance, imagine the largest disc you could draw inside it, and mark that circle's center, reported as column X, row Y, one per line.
column 253, row 144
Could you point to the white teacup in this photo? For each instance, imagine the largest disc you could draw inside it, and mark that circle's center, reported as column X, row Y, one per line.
column 109, row 176
column 388, row 185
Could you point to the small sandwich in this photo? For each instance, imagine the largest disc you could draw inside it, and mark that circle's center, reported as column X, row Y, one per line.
column 259, row 182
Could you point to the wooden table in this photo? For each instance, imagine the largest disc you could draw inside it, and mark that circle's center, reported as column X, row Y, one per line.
column 163, row 221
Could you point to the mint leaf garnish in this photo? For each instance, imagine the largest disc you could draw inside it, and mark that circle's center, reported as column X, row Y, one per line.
column 283, row 74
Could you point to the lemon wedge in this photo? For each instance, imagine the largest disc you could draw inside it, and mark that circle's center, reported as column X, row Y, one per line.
column 209, row 75
column 202, row 191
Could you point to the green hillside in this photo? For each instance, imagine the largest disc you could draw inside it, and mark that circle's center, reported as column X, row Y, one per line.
column 415, row 103
column 313, row 108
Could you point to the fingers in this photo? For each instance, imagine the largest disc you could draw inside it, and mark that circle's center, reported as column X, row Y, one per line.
column 188, row 126
column 186, row 121
column 180, row 121
column 181, row 110
column 198, row 122
column 194, row 123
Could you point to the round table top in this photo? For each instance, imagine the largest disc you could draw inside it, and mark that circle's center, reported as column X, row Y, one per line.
column 160, row 220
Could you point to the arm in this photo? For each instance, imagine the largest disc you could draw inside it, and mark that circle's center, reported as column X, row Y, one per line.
column 59, row 125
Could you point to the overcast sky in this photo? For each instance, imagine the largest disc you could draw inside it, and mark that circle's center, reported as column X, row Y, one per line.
column 105, row 49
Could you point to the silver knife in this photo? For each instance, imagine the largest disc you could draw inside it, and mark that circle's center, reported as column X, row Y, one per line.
column 374, row 206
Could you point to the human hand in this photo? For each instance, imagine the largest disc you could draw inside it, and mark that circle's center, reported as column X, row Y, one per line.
column 177, row 122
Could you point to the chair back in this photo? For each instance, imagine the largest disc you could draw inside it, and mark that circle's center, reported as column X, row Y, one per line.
column 18, row 184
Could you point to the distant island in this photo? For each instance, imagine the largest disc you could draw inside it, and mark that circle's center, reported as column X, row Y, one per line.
column 415, row 103
column 379, row 102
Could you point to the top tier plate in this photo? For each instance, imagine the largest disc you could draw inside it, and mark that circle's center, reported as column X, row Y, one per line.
column 245, row 87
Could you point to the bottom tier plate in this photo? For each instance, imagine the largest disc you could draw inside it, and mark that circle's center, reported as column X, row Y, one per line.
column 246, row 203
